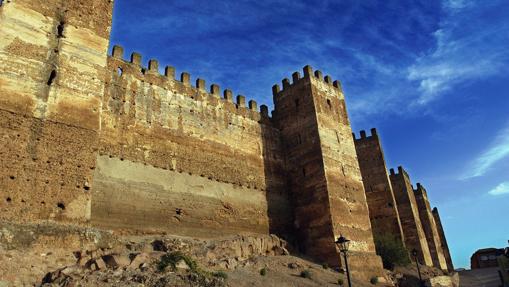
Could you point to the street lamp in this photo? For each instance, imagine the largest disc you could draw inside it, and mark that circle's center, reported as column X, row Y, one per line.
column 342, row 243
column 414, row 253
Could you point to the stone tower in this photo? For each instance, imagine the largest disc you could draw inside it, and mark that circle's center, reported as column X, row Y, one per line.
column 415, row 237
column 443, row 240
column 430, row 227
column 383, row 210
column 53, row 55
column 324, row 176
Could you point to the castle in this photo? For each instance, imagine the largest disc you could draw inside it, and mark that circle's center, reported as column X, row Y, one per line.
column 93, row 139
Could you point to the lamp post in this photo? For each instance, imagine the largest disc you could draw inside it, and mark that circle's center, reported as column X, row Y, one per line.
column 414, row 253
column 342, row 243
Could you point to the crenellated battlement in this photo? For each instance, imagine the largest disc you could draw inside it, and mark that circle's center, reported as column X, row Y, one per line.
column 309, row 75
column 401, row 171
column 420, row 190
column 168, row 81
column 363, row 135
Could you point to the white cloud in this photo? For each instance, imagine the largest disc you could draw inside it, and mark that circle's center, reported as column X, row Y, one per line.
column 501, row 189
column 495, row 153
column 457, row 4
column 466, row 50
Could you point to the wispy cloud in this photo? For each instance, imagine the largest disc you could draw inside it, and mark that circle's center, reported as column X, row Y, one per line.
column 501, row 189
column 467, row 49
column 497, row 151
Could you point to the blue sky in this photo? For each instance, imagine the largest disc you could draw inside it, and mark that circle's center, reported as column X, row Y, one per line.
column 430, row 75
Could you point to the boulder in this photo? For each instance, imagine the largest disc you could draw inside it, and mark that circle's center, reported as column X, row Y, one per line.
column 138, row 260
column 182, row 265
column 116, row 261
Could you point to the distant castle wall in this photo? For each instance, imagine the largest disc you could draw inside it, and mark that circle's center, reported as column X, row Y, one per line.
column 415, row 238
column 383, row 210
column 430, row 227
column 443, row 240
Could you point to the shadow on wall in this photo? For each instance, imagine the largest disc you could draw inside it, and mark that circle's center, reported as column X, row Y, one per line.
column 279, row 202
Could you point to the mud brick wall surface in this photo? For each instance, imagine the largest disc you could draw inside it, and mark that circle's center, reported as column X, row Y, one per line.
column 415, row 238
column 430, row 227
column 182, row 158
column 383, row 209
column 52, row 62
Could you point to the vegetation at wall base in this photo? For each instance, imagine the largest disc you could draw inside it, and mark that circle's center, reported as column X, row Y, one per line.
column 172, row 258
column 373, row 280
column 392, row 251
column 220, row 274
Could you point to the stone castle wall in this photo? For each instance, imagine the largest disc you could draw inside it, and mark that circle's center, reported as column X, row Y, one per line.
column 396, row 209
column 430, row 227
column 177, row 157
column 415, row 238
column 325, row 180
column 443, row 240
column 98, row 140
column 383, row 210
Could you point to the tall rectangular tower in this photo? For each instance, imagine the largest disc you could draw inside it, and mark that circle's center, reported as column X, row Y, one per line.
column 383, row 209
column 324, row 175
column 430, row 227
column 52, row 61
column 443, row 240
column 409, row 216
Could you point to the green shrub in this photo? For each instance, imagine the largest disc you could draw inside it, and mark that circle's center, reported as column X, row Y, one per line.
column 325, row 266
column 171, row 259
column 391, row 250
column 263, row 271
column 220, row 274
column 341, row 281
column 373, row 280
column 305, row 274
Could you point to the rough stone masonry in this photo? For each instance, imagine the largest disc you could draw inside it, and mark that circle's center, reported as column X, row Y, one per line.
column 97, row 140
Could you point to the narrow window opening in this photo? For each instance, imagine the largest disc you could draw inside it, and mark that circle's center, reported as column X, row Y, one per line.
column 297, row 104
column 60, row 30
column 329, row 104
column 120, row 72
column 61, row 206
column 8, row 198
column 304, row 171
column 52, row 77
column 299, row 139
